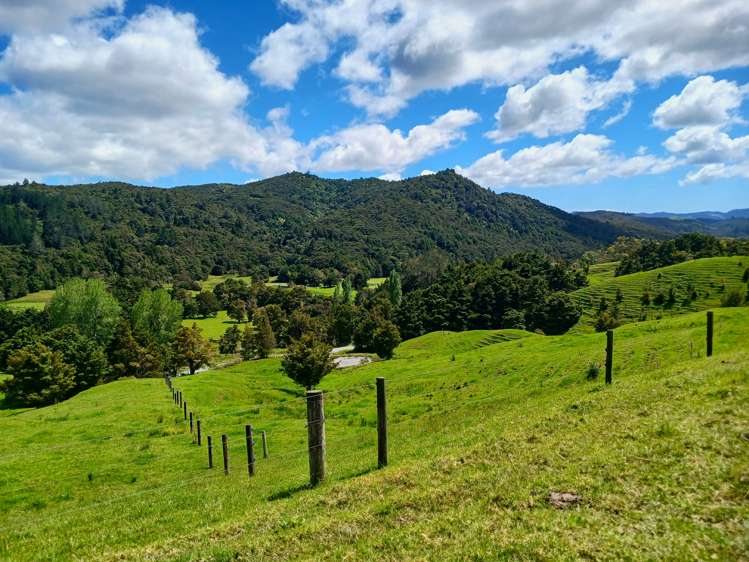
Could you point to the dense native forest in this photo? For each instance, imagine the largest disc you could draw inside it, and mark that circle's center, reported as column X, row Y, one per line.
column 301, row 227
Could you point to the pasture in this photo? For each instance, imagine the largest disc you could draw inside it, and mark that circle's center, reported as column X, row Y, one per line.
column 484, row 426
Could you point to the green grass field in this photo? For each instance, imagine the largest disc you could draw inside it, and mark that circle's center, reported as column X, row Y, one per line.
column 483, row 427
column 36, row 300
column 709, row 277
column 213, row 328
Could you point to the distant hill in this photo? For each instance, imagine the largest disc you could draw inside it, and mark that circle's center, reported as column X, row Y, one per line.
column 733, row 224
column 696, row 284
column 295, row 221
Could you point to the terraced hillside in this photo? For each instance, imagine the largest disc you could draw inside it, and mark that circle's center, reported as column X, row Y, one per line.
column 697, row 285
column 482, row 435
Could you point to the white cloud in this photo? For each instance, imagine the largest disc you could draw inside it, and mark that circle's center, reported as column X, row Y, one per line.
column 703, row 102
column 712, row 172
column 626, row 106
column 20, row 16
column 392, row 176
column 419, row 45
column 427, row 173
column 584, row 159
column 375, row 147
column 701, row 145
column 140, row 101
column 559, row 103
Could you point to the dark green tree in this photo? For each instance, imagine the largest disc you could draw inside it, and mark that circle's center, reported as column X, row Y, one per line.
column 229, row 341
column 307, row 361
column 395, row 293
column 207, row 304
column 385, row 339
column 39, row 376
column 263, row 338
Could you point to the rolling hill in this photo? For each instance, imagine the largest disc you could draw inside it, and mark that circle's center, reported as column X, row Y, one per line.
column 297, row 221
column 732, row 224
column 707, row 278
column 485, row 427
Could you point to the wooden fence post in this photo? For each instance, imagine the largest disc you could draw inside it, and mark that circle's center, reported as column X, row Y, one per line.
column 265, row 445
column 709, row 333
column 382, row 424
column 191, row 426
column 198, row 428
column 316, row 436
column 225, row 448
column 250, row 450
column 609, row 354
column 184, row 405
column 210, row 452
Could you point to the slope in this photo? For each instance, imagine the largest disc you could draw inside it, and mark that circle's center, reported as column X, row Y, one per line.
column 295, row 221
column 707, row 278
column 481, row 433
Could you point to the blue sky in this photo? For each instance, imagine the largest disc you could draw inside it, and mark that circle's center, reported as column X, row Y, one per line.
column 583, row 106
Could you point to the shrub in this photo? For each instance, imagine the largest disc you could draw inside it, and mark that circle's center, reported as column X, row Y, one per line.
column 386, row 338
column 40, row 376
column 731, row 298
column 593, row 371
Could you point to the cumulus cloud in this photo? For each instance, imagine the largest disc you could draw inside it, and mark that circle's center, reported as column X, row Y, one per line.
column 702, row 112
column 389, row 51
column 375, row 147
column 703, row 102
column 139, row 102
column 584, row 159
column 559, row 103
column 20, row 16
column 623, row 112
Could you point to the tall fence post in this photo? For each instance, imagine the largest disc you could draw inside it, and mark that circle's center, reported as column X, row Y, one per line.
column 179, row 398
column 316, row 436
column 198, row 428
column 250, row 450
column 609, row 354
column 265, row 444
column 382, row 424
column 709, row 333
column 225, row 449
column 210, row 452
column 184, row 405
column 191, row 426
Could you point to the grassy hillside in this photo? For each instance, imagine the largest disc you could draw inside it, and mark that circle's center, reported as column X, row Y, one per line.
column 709, row 277
column 38, row 300
column 484, row 426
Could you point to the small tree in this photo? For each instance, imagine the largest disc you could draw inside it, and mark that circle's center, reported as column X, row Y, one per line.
column 237, row 310
column 619, row 295
column 207, row 304
column 341, row 327
column 645, row 298
column 385, row 339
column 228, row 343
column 731, row 298
column 264, row 340
column 347, row 291
column 191, row 349
column 395, row 293
column 248, row 343
column 40, row 376
column 307, row 361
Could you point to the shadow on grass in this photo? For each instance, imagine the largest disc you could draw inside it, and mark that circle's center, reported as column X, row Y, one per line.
column 288, row 492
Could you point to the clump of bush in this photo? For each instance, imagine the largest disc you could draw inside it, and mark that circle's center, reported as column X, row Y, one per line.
column 592, row 372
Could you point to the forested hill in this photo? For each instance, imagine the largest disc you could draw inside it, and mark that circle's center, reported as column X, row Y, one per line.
column 295, row 221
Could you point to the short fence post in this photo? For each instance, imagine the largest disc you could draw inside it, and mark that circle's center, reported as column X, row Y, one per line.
column 709, row 333
column 198, row 428
column 210, row 452
column 609, row 354
column 265, row 445
column 225, row 448
column 250, row 450
column 191, row 426
column 184, row 405
column 316, row 436
column 382, row 424
column 179, row 398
